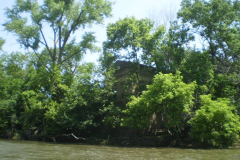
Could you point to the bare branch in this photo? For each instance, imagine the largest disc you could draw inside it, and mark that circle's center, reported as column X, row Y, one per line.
column 74, row 25
column 55, row 42
column 70, row 57
column 59, row 39
column 164, row 15
column 45, row 42
column 60, row 47
column 40, row 59
column 75, row 68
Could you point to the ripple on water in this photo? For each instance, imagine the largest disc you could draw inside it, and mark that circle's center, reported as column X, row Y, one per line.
column 16, row 150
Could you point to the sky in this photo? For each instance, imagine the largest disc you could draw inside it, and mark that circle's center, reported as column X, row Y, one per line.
column 155, row 9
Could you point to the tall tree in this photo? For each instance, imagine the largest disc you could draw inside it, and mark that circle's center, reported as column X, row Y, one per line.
column 64, row 18
column 53, row 80
column 217, row 23
column 60, row 54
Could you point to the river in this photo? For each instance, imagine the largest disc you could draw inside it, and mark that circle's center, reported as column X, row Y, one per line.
column 28, row 150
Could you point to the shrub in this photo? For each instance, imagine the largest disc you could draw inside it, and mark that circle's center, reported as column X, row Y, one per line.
column 167, row 97
column 216, row 123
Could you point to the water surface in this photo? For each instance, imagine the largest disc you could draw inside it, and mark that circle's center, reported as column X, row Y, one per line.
column 26, row 150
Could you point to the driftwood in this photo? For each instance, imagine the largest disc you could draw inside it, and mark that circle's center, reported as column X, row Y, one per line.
column 60, row 136
column 78, row 137
column 68, row 135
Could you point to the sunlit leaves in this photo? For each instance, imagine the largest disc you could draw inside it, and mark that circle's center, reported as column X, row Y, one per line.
column 216, row 22
column 216, row 123
column 128, row 34
column 28, row 20
column 167, row 96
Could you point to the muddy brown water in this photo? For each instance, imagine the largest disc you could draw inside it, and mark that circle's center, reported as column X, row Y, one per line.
column 28, row 150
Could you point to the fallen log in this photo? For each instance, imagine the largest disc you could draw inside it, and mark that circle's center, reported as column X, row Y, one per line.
column 71, row 134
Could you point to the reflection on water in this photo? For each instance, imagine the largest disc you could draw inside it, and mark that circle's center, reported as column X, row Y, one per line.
column 16, row 150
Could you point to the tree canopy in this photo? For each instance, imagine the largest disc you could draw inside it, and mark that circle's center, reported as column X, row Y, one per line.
column 217, row 23
column 49, row 92
column 27, row 19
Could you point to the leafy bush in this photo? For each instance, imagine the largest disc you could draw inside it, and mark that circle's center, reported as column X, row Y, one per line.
column 215, row 123
column 167, row 97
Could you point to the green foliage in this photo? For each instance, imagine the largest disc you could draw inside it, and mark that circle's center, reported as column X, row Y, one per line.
column 129, row 37
column 126, row 39
column 216, row 66
column 217, row 23
column 1, row 43
column 49, row 92
column 11, row 82
column 52, row 93
column 36, row 102
column 216, row 123
column 165, row 49
column 112, row 116
column 168, row 97
column 128, row 33
column 222, row 87
column 64, row 17
column 197, row 67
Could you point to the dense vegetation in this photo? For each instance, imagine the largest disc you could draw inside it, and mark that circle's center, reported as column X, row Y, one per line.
column 194, row 95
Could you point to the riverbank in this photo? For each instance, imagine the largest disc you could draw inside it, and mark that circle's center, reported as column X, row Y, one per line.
column 144, row 141
column 135, row 142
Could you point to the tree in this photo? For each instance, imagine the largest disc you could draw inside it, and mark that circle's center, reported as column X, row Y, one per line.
column 49, row 82
column 166, row 50
column 125, row 40
column 217, row 23
column 167, row 97
column 216, row 123
column 64, row 18
column 134, row 40
column 127, row 34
